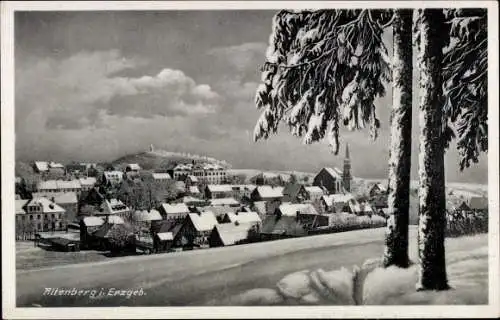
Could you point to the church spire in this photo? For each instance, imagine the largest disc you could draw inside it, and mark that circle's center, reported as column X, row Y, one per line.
column 346, row 173
column 347, row 151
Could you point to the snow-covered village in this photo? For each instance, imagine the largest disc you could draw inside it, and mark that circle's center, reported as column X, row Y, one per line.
column 251, row 158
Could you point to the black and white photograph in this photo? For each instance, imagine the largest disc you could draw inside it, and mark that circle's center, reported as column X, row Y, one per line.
column 331, row 157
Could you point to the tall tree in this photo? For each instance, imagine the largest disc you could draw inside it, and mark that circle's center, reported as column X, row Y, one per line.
column 432, row 210
column 396, row 248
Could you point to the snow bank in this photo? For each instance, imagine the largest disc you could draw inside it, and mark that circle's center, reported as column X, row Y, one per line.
column 467, row 276
column 373, row 285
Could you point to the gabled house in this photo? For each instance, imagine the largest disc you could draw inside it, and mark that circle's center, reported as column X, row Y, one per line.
column 39, row 215
column 66, row 200
column 112, row 178
column 177, row 211
column 295, row 193
column 132, row 167
column 164, row 232
column 103, row 237
column 229, row 234
column 160, row 176
column 377, row 189
column 306, row 214
column 41, row 166
column 196, row 229
column 242, row 217
column 55, row 186
column 146, row 218
column 314, row 193
column 267, row 193
column 87, row 183
column 115, row 207
column 337, row 202
column 215, row 191
column 280, row 227
column 329, row 180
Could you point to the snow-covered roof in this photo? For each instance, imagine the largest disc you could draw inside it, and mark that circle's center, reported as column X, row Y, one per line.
column 260, row 206
column 89, row 181
column 204, row 221
column 116, row 206
column 42, row 165
column 56, row 165
column 165, row 236
column 92, row 221
column 334, row 172
column 231, row 233
column 192, row 178
column 47, row 205
column 194, row 189
column 175, row 208
column 59, row 197
column 59, row 184
column 243, row 217
column 224, row 202
column 314, row 190
column 115, row 219
column 380, row 186
column 144, row 215
column 220, row 188
column 270, row 192
column 161, row 176
column 337, row 198
column 183, row 167
column 188, row 199
column 291, row 209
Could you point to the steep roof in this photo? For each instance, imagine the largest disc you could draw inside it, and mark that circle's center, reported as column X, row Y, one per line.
column 230, row 233
column 284, row 225
column 42, row 165
column 289, row 209
column 243, row 217
column 291, row 190
column 224, row 202
column 92, row 221
column 59, row 184
column 133, row 166
column 192, row 178
column 194, row 189
column 270, row 192
column 175, row 208
column 260, row 207
column 333, row 173
column 204, row 221
column 107, row 229
column 166, row 226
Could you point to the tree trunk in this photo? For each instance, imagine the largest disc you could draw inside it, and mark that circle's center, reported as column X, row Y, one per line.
column 396, row 241
column 432, row 216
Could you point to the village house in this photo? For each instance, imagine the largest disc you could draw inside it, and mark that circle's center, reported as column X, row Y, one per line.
column 360, row 208
column 112, row 178
column 174, row 211
column 243, row 191
column 218, row 211
column 295, row 193
column 76, row 169
column 196, row 230
column 145, row 218
column 336, row 202
column 55, row 186
column 102, row 237
column 191, row 181
column 194, row 191
column 457, row 208
column 251, row 217
column 280, row 227
column 114, row 207
column 87, row 183
column 306, row 214
column 38, row 215
column 213, row 191
column 164, row 233
column 181, row 171
column 267, row 193
column 191, row 201
column 377, row 189
column 132, row 167
column 66, row 200
column 314, row 193
column 90, row 225
column 92, row 198
column 229, row 234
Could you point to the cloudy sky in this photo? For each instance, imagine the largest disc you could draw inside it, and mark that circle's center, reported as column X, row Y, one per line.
column 94, row 86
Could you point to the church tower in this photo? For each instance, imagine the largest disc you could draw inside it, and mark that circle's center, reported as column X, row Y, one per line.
column 346, row 174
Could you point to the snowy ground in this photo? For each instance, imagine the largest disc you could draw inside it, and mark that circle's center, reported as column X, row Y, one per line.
column 467, row 267
column 217, row 276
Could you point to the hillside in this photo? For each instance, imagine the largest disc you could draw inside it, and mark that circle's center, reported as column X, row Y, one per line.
column 161, row 158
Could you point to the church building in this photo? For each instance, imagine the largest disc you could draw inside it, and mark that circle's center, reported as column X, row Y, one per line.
column 334, row 180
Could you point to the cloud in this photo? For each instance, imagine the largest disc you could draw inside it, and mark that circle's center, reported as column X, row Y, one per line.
column 72, row 93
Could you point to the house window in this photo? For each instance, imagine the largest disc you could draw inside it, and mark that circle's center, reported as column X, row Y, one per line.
column 38, row 217
column 31, row 217
column 39, row 226
column 53, row 216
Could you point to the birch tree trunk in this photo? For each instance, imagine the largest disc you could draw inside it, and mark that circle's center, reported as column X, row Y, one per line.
column 396, row 241
column 432, row 219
